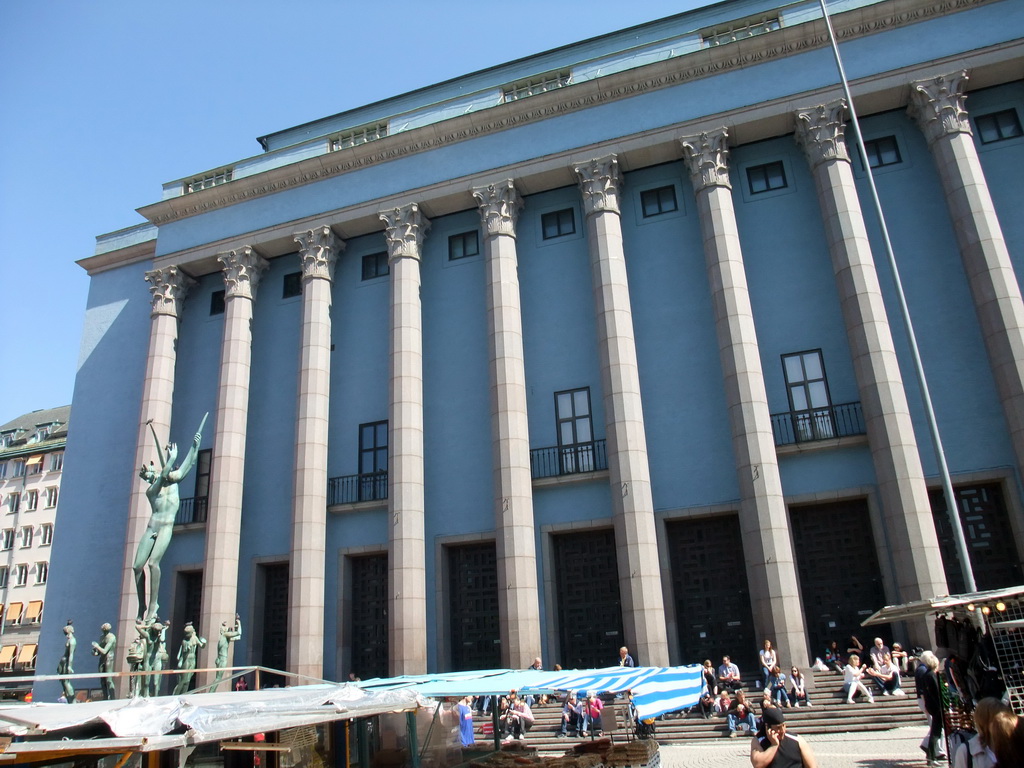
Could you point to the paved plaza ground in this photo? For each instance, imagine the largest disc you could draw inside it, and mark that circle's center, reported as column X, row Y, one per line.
column 897, row 748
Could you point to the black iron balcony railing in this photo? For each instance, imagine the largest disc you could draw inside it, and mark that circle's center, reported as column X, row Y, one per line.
column 818, row 424
column 191, row 510
column 353, row 488
column 568, row 459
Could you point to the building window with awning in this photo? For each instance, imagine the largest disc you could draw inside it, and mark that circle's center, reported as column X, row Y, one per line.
column 27, row 657
column 34, row 612
column 7, row 656
column 14, row 613
column 35, row 464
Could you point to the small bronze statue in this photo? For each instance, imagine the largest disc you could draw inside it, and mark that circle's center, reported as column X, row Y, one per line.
column 227, row 636
column 66, row 664
column 190, row 645
column 104, row 650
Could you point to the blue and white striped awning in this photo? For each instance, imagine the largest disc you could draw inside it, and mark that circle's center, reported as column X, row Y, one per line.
column 656, row 690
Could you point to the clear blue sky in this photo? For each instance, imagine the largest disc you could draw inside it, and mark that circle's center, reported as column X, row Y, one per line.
column 102, row 101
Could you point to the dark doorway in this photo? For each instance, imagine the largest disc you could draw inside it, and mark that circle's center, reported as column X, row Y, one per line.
column 369, row 619
column 840, row 582
column 473, row 602
column 709, row 587
column 275, row 625
column 990, row 541
column 589, row 608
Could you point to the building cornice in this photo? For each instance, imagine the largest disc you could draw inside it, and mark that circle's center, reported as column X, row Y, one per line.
column 671, row 72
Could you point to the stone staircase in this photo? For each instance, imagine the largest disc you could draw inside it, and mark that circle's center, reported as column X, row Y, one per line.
column 829, row 714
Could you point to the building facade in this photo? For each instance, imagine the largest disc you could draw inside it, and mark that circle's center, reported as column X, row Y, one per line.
column 594, row 348
column 31, row 467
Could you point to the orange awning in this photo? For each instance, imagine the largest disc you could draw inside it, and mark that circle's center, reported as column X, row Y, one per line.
column 14, row 612
column 28, row 653
column 7, row 654
column 35, row 608
column 37, row 459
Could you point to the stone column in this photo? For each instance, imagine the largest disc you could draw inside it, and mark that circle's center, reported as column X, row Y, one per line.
column 640, row 588
column 318, row 251
column 518, row 604
column 407, row 631
column 242, row 271
column 764, row 522
column 906, row 512
column 168, row 288
column 938, row 107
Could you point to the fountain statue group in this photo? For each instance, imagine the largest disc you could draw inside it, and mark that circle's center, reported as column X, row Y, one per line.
column 148, row 650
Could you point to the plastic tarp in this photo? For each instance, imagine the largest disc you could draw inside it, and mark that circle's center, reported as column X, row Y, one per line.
column 942, row 604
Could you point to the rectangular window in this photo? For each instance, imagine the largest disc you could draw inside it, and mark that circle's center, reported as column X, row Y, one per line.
column 767, row 177
column 539, row 84
column 291, row 285
column 35, row 464
column 3, row 469
column 21, row 575
column 658, row 201
column 375, row 265
column 212, row 179
column 217, row 303
column 558, row 223
column 204, row 466
column 57, row 461
column 32, row 500
column 47, row 534
column 8, row 542
column 51, row 497
column 809, row 401
column 26, row 536
column 883, row 151
column 359, row 136
column 373, row 460
column 3, row 577
column 575, row 430
column 13, row 502
column 463, row 245
column 34, row 612
column 42, row 571
column 740, row 29
column 998, row 126
column 19, row 468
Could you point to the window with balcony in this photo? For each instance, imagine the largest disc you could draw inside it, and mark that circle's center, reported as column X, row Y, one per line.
column 373, row 461
column 810, row 404
column 57, row 461
column 998, row 126
column 463, row 245
column 575, row 431
column 193, row 508
column 32, row 500
column 766, row 178
column 655, row 202
column 558, row 224
column 375, row 265
column 51, row 496
column 46, row 534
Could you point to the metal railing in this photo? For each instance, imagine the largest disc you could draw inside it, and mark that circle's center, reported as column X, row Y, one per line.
column 352, row 488
column 816, row 424
column 192, row 510
column 568, row 459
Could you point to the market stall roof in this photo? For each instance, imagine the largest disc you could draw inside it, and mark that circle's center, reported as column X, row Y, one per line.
column 656, row 690
column 939, row 605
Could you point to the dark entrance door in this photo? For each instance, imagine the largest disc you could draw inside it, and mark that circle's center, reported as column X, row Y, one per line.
column 275, row 631
column 710, row 591
column 473, row 599
column 589, row 609
column 990, row 541
column 840, row 582
column 368, row 622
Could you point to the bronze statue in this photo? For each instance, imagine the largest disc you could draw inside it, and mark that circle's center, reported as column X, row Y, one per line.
column 66, row 664
column 190, row 645
column 104, row 649
column 163, row 498
column 157, row 657
column 227, row 636
column 138, row 653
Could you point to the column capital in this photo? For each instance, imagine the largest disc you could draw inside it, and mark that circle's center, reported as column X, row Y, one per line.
column 820, row 131
column 404, row 230
column 168, row 287
column 937, row 104
column 499, row 208
column 318, row 250
column 600, row 184
column 242, row 270
column 707, row 154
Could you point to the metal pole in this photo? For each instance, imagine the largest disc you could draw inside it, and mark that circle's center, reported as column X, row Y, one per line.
column 940, row 456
